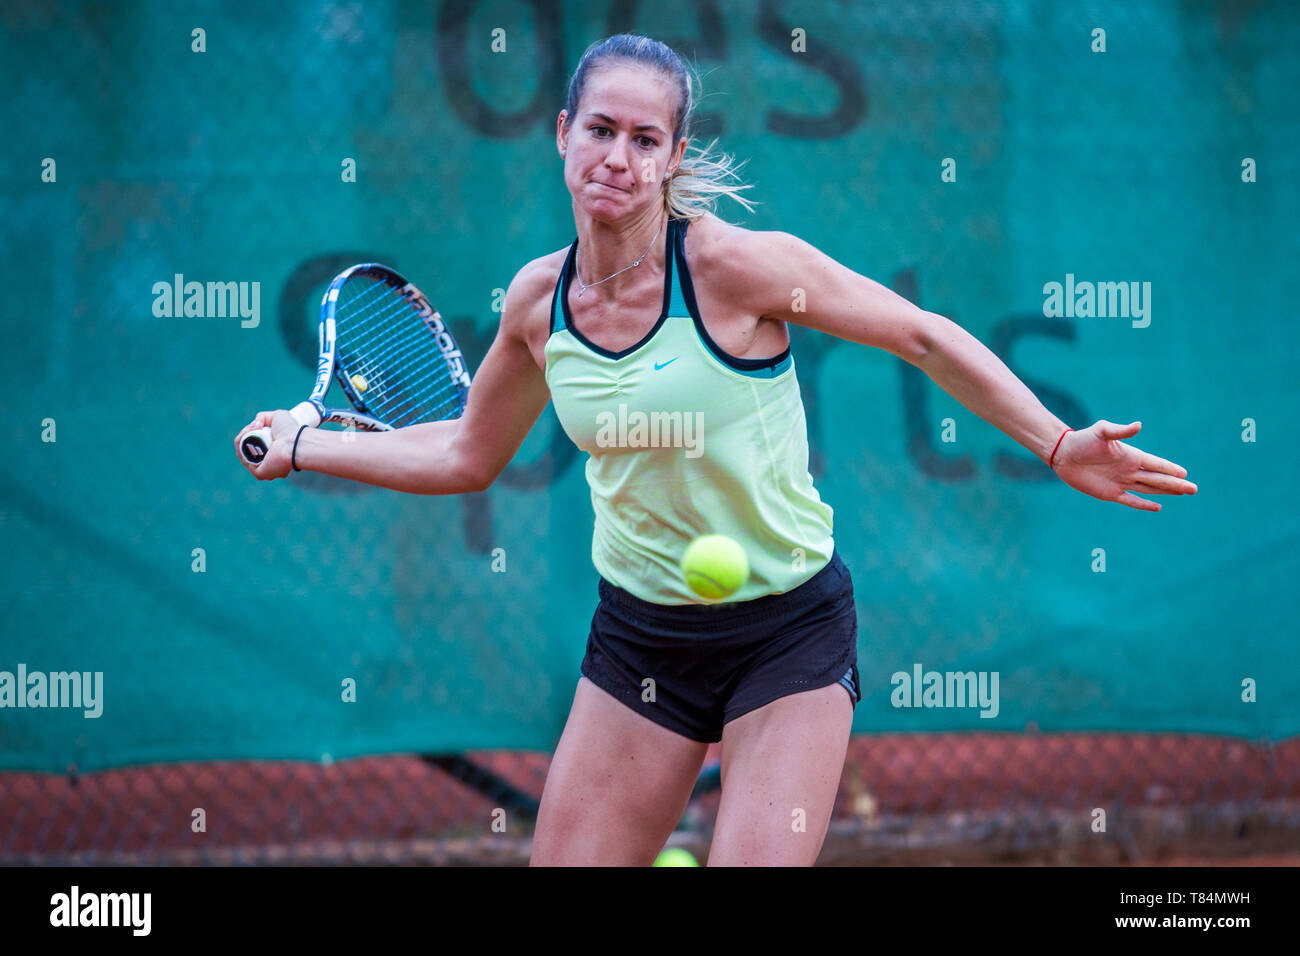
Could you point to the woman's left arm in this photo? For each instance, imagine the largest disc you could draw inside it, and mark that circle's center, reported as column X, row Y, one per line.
column 795, row 282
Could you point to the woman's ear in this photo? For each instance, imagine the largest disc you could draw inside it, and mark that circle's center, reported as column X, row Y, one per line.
column 681, row 157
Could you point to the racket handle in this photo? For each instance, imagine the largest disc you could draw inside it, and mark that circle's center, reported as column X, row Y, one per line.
column 254, row 446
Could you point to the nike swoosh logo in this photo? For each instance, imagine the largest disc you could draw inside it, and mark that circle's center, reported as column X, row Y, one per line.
column 658, row 366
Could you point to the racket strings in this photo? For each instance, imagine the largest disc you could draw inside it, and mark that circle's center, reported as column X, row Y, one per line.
column 416, row 348
column 375, row 289
column 405, row 373
column 394, row 346
column 389, row 348
column 414, row 394
column 395, row 391
column 374, row 324
column 418, row 406
column 352, row 315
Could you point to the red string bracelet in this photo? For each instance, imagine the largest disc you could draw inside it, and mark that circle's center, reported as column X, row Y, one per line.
column 1058, row 445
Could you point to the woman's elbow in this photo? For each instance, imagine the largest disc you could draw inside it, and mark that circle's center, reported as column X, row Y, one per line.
column 471, row 476
column 455, row 472
column 921, row 338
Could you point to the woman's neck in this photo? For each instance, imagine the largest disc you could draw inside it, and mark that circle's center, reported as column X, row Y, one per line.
column 608, row 248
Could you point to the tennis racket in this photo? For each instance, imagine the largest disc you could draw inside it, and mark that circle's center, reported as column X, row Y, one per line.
column 390, row 351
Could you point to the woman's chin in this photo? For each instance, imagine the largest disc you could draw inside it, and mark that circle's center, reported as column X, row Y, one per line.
column 607, row 208
column 604, row 210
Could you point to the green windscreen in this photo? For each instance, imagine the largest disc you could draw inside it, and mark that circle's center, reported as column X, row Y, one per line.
column 966, row 155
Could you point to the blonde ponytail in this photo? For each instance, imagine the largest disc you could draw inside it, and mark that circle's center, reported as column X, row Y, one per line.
column 701, row 180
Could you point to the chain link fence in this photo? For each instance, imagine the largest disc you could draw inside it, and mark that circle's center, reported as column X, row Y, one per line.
column 921, row 799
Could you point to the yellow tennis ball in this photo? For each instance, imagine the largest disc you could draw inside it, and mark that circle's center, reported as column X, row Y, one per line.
column 715, row 566
column 359, row 382
column 675, row 856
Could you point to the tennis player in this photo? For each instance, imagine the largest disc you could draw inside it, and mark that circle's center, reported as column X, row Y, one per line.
column 660, row 306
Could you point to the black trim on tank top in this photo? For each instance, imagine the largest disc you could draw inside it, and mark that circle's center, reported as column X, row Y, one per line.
column 555, row 293
column 570, row 267
column 688, row 293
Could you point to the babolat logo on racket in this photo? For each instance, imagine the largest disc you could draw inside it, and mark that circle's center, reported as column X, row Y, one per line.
column 455, row 361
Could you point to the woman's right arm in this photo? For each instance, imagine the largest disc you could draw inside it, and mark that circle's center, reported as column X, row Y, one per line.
column 506, row 397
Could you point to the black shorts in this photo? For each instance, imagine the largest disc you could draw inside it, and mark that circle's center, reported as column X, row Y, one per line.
column 712, row 663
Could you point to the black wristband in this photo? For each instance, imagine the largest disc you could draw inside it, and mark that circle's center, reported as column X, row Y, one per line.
column 293, row 459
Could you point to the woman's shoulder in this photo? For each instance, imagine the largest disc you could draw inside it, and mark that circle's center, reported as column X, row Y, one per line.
column 528, row 298
column 534, row 284
column 704, row 233
column 732, row 257
column 542, row 272
column 713, row 239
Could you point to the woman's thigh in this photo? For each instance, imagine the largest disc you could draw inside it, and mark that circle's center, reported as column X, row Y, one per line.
column 781, row 767
column 617, row 786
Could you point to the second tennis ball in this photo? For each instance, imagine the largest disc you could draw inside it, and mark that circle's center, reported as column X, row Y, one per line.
column 675, row 856
column 715, row 566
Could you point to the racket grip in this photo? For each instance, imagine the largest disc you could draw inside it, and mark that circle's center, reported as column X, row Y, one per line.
column 254, row 446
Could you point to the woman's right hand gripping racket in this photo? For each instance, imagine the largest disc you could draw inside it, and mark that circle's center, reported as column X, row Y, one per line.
column 389, row 350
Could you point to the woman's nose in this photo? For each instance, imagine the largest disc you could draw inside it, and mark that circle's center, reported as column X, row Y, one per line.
column 616, row 156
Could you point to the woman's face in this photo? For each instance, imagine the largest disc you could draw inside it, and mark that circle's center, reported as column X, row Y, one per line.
column 618, row 149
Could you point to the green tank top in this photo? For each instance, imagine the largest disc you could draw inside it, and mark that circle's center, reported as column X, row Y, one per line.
column 684, row 440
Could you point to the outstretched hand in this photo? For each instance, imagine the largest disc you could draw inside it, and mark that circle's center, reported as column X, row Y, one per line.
column 1097, row 463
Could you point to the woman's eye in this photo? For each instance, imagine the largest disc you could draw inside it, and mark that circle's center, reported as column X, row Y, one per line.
column 645, row 141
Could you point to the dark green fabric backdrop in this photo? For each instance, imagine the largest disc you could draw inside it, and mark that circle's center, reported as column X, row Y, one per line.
column 225, row 165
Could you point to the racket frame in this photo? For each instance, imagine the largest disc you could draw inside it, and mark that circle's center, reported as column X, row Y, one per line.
column 313, row 411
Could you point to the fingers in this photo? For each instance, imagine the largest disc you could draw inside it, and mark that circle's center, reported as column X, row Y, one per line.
column 260, row 420
column 1111, row 432
column 1154, row 463
column 239, row 438
column 1159, row 483
column 1133, row 501
column 239, row 452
